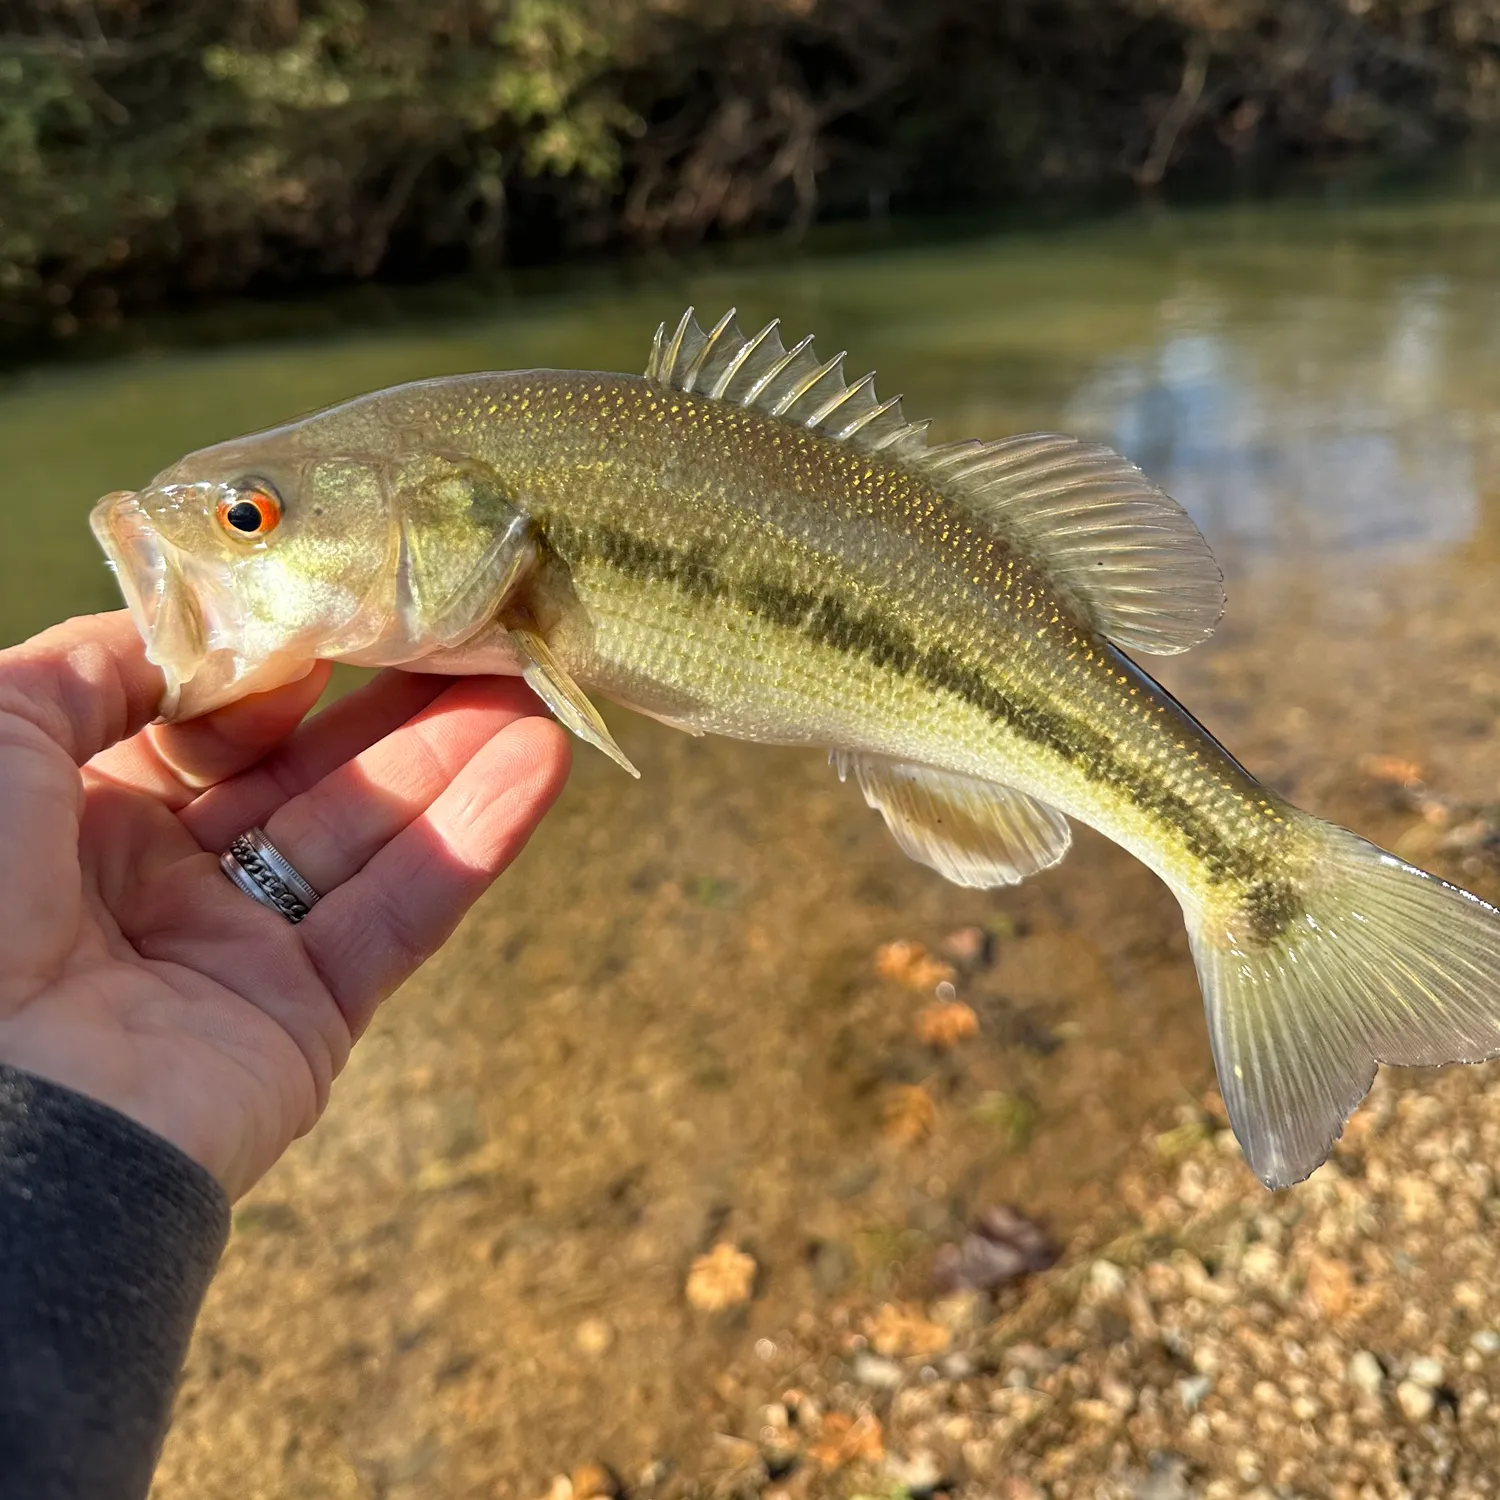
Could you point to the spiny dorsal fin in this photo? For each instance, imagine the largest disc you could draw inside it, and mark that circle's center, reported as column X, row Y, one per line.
column 1122, row 549
column 762, row 373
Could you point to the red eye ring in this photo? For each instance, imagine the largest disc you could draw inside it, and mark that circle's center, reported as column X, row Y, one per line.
column 249, row 512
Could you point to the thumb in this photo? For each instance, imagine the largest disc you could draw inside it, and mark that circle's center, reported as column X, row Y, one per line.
column 85, row 683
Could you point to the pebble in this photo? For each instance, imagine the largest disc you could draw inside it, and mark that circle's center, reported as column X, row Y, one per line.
column 1019, row 1488
column 958, row 1313
column 1261, row 1265
column 722, row 1278
column 594, row 1482
column 1307, row 1363
column 969, row 947
column 652, row 1474
column 1106, row 1279
column 1001, row 1246
column 876, row 1371
column 1365, row 1373
column 594, row 1336
column 1167, row 1479
column 918, row 1475
column 1192, row 1390
column 1416, row 1401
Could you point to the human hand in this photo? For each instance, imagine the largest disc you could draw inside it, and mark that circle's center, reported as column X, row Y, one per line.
column 133, row 971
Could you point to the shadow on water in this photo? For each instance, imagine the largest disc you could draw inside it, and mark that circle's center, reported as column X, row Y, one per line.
column 667, row 1026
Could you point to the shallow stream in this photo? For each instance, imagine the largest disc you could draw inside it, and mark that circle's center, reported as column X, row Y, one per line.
column 666, row 1026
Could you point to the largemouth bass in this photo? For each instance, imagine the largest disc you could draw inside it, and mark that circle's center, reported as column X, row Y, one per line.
column 742, row 543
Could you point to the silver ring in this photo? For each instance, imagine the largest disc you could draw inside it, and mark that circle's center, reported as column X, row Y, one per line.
column 265, row 874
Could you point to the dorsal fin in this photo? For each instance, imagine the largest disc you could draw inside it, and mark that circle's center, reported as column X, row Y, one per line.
column 1126, row 553
column 1123, row 548
column 761, row 372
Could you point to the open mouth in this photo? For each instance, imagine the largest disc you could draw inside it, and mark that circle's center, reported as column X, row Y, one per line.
column 155, row 590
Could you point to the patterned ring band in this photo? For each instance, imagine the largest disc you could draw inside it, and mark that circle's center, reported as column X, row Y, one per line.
column 265, row 874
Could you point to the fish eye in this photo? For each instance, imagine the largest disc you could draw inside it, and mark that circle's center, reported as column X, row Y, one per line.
column 252, row 509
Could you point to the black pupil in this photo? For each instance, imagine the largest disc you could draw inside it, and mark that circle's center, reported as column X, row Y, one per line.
column 243, row 516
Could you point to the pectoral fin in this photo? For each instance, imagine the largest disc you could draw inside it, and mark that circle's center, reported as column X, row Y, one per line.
column 976, row 833
column 471, row 601
column 551, row 683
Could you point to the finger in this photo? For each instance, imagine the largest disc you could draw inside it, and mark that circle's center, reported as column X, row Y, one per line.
column 337, row 734
column 370, row 933
column 335, row 827
column 86, row 684
column 175, row 762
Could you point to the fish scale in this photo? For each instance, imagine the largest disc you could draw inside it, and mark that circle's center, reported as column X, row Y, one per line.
column 817, row 529
column 742, row 543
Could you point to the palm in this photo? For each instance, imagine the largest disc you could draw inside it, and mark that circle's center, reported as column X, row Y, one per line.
column 160, row 1001
column 133, row 971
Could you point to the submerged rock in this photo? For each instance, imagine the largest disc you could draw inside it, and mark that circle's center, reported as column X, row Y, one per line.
column 1002, row 1246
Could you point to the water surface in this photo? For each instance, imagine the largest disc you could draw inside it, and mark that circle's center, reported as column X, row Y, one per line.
column 1297, row 375
column 666, row 1026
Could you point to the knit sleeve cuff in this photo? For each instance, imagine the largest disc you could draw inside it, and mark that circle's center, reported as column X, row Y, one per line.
column 109, row 1237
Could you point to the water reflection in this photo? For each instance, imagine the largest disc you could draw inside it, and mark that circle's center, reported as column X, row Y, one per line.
column 666, row 1026
column 1300, row 379
column 1314, row 425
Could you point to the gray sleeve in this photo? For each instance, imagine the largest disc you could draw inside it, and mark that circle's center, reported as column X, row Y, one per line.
column 108, row 1239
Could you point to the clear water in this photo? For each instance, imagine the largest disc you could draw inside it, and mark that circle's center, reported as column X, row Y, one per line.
column 666, row 1026
column 1298, row 375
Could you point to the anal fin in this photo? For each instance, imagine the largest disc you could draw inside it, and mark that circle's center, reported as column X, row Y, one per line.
column 547, row 678
column 974, row 833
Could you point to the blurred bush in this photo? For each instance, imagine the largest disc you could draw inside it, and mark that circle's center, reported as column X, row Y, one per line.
column 152, row 150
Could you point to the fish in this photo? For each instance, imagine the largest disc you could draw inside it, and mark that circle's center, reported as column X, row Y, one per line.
column 743, row 542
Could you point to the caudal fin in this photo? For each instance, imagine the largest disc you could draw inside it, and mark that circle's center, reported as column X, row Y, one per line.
column 1377, row 962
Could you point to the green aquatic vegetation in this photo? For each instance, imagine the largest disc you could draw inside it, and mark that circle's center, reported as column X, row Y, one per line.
column 1010, row 1116
column 711, row 891
column 249, row 139
column 1182, row 1140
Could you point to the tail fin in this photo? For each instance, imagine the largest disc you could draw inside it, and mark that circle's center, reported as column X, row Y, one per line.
column 1385, row 963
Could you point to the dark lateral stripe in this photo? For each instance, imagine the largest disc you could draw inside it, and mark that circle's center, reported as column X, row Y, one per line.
column 825, row 618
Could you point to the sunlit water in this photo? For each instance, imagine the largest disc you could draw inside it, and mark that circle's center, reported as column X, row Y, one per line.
column 1298, row 376
column 667, row 1026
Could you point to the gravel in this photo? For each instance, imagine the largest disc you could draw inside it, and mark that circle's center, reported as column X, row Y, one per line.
column 1365, row 1373
column 1326, row 1343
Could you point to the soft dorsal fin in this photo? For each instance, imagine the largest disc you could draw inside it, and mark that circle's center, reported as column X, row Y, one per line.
column 1122, row 549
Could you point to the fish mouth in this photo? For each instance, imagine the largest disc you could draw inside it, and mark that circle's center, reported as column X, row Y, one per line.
column 156, row 590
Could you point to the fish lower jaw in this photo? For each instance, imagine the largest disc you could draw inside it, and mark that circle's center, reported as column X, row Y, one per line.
column 222, row 677
column 171, row 696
